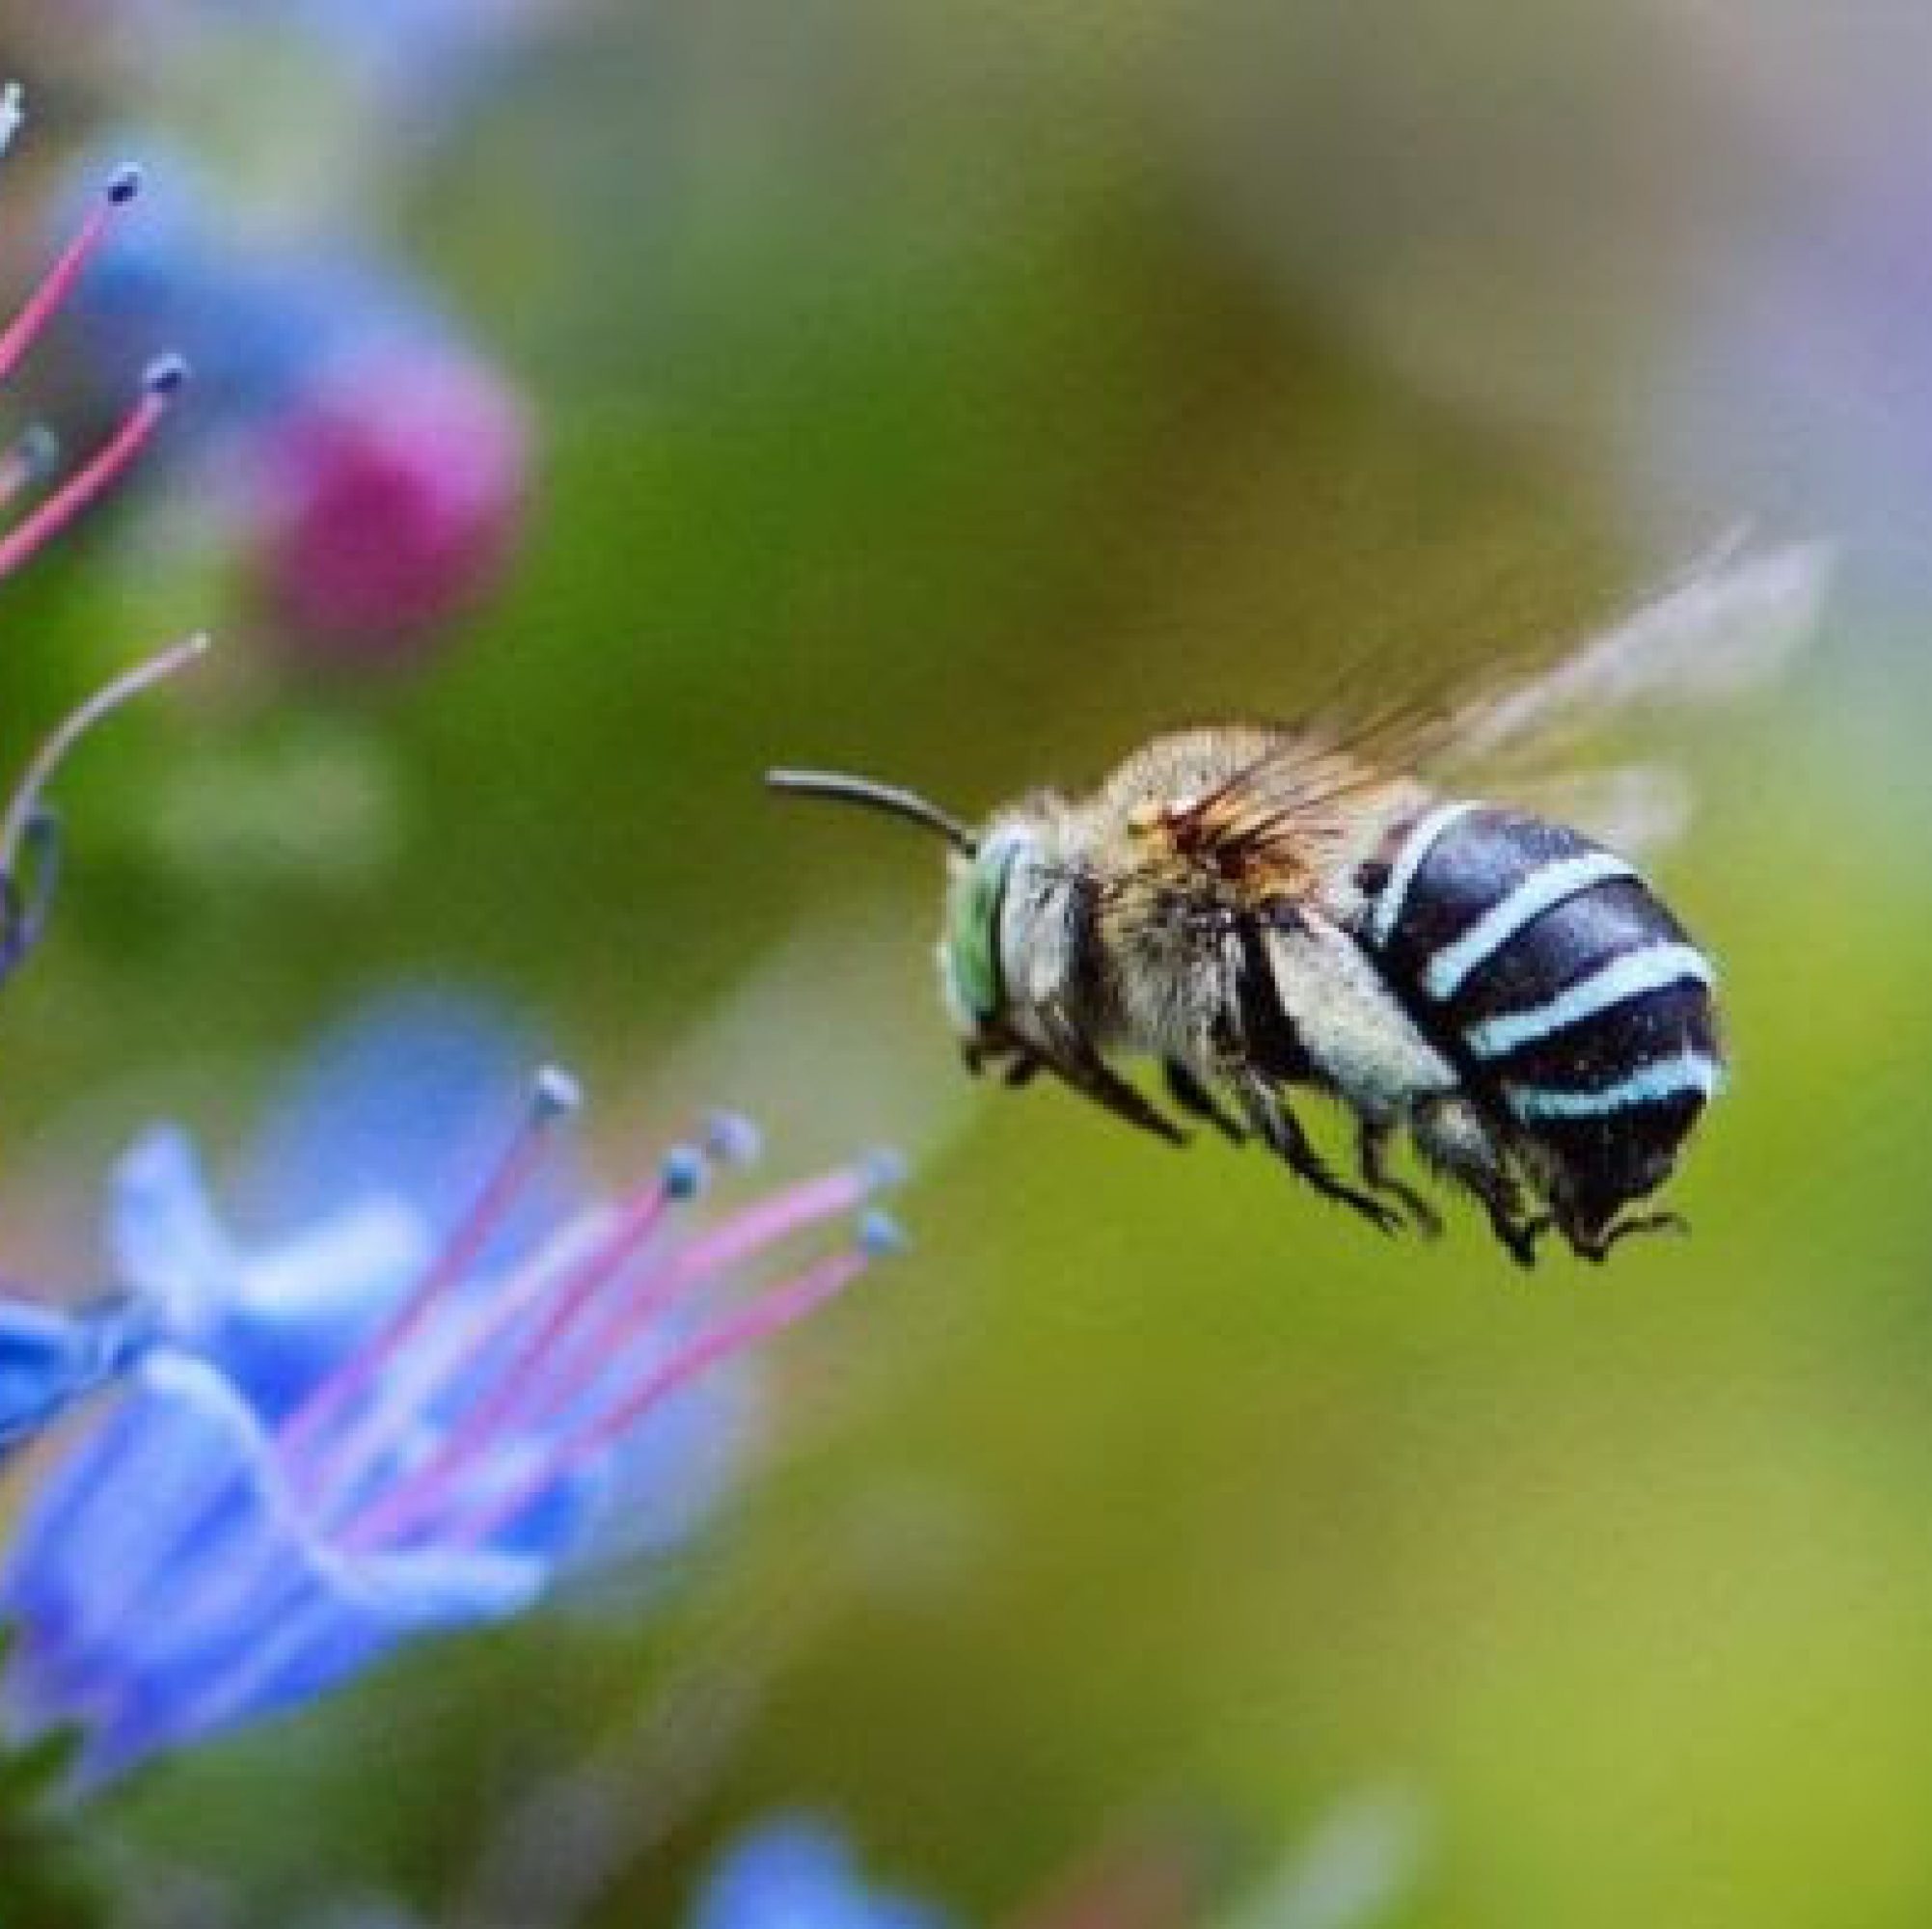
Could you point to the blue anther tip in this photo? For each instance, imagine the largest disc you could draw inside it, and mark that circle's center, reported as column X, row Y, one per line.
column 881, row 1236
column 732, row 1139
column 124, row 183
column 683, row 1170
column 882, row 1168
column 166, row 375
column 555, row 1092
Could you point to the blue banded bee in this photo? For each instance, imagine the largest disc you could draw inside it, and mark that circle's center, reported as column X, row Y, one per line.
column 1265, row 910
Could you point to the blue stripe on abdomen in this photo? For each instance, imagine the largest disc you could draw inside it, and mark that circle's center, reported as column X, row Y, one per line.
column 1573, row 1000
column 1624, row 977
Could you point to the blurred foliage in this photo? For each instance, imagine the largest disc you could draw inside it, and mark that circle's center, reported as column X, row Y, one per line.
column 52, row 1882
column 916, row 395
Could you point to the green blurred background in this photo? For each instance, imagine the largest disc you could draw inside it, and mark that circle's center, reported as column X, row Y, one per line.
column 959, row 394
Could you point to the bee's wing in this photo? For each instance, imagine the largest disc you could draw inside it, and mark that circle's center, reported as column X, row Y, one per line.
column 1732, row 624
column 1287, row 815
column 1632, row 808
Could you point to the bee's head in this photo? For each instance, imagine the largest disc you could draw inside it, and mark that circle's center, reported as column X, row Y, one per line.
column 987, row 885
column 973, row 946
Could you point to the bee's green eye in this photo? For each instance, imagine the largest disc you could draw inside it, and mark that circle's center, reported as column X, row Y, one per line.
column 972, row 947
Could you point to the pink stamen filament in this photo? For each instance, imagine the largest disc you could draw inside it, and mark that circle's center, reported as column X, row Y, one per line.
column 41, row 306
column 61, row 740
column 574, row 1369
column 765, row 1317
column 635, row 1222
column 570, row 1347
column 749, row 1233
column 28, row 537
column 301, row 1434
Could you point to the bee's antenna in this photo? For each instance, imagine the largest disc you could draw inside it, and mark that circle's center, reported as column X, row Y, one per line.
column 888, row 798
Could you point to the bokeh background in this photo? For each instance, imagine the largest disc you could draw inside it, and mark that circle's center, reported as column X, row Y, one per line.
column 960, row 393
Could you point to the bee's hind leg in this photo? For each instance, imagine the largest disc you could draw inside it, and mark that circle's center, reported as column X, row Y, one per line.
column 1372, row 1148
column 1269, row 1114
column 1596, row 1246
column 1452, row 1136
column 1195, row 1097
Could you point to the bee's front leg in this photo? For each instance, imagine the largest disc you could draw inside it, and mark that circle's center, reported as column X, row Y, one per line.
column 1073, row 1056
column 1016, row 1064
column 1270, row 1113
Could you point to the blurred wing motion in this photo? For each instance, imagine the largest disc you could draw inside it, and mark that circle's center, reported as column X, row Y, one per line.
column 1635, row 808
column 1726, row 628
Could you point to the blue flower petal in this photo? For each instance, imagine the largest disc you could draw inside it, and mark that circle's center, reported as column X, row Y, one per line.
column 273, row 1323
column 49, row 1358
column 798, row 1873
column 298, row 1310
column 180, row 1499
column 163, row 1237
column 414, row 1098
column 259, row 319
column 671, row 1475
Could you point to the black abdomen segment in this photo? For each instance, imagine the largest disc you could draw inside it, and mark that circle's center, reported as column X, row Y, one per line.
column 1574, row 1003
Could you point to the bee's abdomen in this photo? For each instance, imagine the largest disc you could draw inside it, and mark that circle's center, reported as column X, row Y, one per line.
column 1573, row 1000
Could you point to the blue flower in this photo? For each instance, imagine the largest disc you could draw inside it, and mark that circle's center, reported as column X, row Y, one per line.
column 798, row 1873
column 391, row 1417
column 50, row 1357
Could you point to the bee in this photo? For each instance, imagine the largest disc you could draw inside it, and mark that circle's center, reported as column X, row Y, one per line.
column 1266, row 910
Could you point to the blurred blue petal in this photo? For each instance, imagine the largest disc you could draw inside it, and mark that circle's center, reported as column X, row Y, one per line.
column 410, row 1099
column 798, row 1873
column 50, row 1357
column 272, row 1321
column 436, row 1385
column 263, row 315
column 180, row 1501
column 428, row 55
column 162, row 1235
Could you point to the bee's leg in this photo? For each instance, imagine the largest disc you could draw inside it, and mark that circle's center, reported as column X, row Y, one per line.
column 1193, row 1097
column 1075, row 1060
column 1015, row 1063
column 1517, row 1235
column 1271, row 1117
column 1372, row 1147
column 1452, row 1135
column 1597, row 1248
